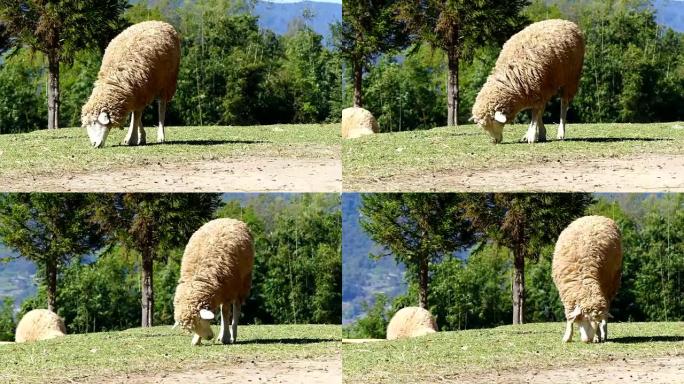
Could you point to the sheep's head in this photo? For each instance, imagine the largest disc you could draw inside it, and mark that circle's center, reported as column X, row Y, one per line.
column 493, row 125
column 191, row 315
column 98, row 129
column 588, row 322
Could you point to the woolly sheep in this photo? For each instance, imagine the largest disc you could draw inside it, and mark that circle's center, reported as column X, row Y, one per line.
column 139, row 65
column 411, row 322
column 357, row 122
column 586, row 269
column 216, row 270
column 534, row 64
column 39, row 324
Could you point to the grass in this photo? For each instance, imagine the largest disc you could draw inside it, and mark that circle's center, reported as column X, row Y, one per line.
column 449, row 355
column 158, row 349
column 469, row 147
column 68, row 149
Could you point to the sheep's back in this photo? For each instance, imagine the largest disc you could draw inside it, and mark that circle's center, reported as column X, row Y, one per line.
column 39, row 324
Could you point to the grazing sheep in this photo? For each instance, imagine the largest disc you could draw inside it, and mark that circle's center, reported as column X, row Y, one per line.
column 39, row 324
column 216, row 270
column 411, row 322
column 586, row 270
column 139, row 65
column 357, row 122
column 532, row 67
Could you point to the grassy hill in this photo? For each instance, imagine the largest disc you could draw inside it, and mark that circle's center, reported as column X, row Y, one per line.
column 504, row 353
column 112, row 356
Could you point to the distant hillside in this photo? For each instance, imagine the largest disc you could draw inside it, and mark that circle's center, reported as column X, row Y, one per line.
column 278, row 16
column 16, row 277
column 670, row 13
column 362, row 277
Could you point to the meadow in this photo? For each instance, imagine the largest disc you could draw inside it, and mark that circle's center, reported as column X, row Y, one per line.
column 142, row 354
column 593, row 157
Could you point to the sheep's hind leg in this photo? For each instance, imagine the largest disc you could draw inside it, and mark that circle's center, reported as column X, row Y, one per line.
column 541, row 134
column 565, row 105
column 568, row 331
column 237, row 307
column 162, row 116
column 224, row 334
column 132, row 135
column 603, row 331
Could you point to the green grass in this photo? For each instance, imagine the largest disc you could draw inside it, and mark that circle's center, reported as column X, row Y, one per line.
column 469, row 147
column 449, row 355
column 68, row 149
column 158, row 349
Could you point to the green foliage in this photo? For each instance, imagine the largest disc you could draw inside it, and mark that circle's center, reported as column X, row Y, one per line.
column 19, row 83
column 7, row 323
column 374, row 324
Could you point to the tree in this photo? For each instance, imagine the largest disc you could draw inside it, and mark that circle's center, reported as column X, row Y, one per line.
column 48, row 229
column 368, row 28
column 151, row 224
column 524, row 223
column 417, row 230
column 59, row 29
column 458, row 27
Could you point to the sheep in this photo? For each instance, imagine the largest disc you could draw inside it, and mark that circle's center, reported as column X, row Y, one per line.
column 216, row 269
column 586, row 269
column 357, row 122
column 139, row 65
column 39, row 324
column 411, row 322
column 534, row 64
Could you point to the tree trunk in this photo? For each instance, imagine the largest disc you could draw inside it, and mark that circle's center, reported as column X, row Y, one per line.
column 358, row 83
column 51, row 267
column 53, row 90
column 423, row 283
column 452, row 87
column 147, row 290
column 518, row 287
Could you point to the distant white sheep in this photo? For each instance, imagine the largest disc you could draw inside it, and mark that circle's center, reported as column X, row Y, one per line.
column 139, row 65
column 532, row 67
column 411, row 322
column 39, row 324
column 586, row 269
column 216, row 270
column 357, row 122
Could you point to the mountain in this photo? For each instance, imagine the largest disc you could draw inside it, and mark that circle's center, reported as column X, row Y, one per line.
column 670, row 13
column 362, row 277
column 278, row 16
column 17, row 277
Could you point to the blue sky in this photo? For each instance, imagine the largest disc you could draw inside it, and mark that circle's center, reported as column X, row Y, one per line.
column 297, row 1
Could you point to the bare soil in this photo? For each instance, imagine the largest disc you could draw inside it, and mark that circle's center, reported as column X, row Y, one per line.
column 285, row 372
column 662, row 370
column 651, row 173
column 232, row 175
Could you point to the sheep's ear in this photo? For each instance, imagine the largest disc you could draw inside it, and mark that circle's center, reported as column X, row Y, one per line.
column 575, row 313
column 206, row 314
column 103, row 118
column 500, row 117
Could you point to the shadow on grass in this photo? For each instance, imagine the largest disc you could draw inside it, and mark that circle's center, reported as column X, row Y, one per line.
column 646, row 339
column 201, row 142
column 287, row 341
column 593, row 140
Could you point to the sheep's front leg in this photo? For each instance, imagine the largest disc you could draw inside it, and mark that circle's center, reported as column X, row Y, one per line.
column 141, row 131
column 568, row 331
column 162, row 117
column 534, row 130
column 224, row 334
column 132, row 135
column 603, row 329
column 237, row 308
column 565, row 105
column 196, row 339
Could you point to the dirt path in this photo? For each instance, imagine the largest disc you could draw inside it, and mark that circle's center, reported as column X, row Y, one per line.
column 252, row 175
column 285, row 372
column 652, row 173
column 662, row 370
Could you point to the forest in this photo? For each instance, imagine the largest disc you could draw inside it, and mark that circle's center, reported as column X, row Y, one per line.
column 95, row 252
column 414, row 70
column 233, row 72
column 472, row 260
